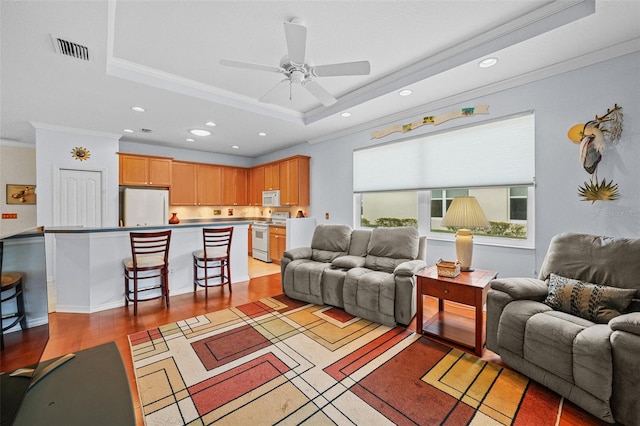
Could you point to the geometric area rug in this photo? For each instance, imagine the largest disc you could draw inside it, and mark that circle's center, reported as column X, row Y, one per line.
column 282, row 361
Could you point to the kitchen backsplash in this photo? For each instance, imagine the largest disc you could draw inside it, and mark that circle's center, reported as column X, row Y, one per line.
column 220, row 212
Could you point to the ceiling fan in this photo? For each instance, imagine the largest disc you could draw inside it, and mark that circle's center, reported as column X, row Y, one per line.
column 297, row 71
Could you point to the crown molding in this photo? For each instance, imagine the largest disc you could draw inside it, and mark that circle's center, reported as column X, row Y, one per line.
column 572, row 64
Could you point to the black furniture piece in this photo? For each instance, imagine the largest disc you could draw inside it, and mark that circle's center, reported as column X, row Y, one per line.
column 10, row 289
column 92, row 388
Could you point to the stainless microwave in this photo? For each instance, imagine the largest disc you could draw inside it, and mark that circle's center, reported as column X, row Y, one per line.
column 271, row 198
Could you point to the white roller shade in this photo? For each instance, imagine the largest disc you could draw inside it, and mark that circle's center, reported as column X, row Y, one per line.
column 499, row 153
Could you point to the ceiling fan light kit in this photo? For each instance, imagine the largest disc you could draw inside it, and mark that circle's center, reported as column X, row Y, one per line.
column 297, row 71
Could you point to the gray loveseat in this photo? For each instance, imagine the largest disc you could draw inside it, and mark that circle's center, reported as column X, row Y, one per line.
column 578, row 339
column 369, row 273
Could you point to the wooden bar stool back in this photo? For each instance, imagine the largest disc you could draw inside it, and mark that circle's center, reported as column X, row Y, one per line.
column 149, row 261
column 212, row 264
column 10, row 289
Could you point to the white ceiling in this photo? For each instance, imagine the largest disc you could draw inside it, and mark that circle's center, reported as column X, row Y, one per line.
column 164, row 56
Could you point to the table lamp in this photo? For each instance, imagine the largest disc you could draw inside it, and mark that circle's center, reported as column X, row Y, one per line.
column 465, row 213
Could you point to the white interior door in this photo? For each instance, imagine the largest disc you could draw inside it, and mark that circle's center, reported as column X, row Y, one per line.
column 80, row 198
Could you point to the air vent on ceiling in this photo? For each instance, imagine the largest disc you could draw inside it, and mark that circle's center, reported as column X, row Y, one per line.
column 145, row 130
column 69, row 48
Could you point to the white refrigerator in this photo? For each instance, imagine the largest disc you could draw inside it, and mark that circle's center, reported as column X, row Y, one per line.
column 146, row 207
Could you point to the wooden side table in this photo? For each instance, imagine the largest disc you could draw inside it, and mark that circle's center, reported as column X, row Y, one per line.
column 468, row 288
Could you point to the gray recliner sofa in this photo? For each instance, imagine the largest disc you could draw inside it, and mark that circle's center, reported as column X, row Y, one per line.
column 368, row 273
column 579, row 339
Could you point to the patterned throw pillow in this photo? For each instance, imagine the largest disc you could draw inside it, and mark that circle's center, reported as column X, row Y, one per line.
column 597, row 303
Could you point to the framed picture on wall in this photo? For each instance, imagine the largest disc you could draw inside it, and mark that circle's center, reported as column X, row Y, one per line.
column 21, row 194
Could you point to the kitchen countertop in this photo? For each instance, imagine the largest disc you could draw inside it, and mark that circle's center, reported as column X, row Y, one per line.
column 182, row 224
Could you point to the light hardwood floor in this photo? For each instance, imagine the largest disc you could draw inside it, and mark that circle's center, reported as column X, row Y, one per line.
column 74, row 332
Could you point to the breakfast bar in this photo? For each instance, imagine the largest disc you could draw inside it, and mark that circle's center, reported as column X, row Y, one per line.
column 85, row 266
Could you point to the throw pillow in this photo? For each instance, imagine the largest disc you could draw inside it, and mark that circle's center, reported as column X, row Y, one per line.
column 597, row 303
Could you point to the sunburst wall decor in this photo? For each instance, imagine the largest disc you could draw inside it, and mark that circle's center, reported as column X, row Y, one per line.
column 80, row 153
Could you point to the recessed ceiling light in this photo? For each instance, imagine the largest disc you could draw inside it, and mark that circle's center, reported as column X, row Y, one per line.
column 262, row 134
column 190, row 140
column 137, row 109
column 345, row 114
column 405, row 92
column 235, row 146
column 200, row 132
column 127, row 130
column 488, row 62
column 210, row 124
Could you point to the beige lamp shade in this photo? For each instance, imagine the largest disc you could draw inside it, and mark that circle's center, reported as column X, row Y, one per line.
column 465, row 212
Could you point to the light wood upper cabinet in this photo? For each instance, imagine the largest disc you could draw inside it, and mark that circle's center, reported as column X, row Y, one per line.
column 209, row 185
column 142, row 170
column 184, row 184
column 294, row 181
column 256, row 185
column 199, row 184
column 234, row 186
column 272, row 176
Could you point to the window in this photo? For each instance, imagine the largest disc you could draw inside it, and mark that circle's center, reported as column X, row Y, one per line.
column 389, row 209
column 414, row 181
column 441, row 200
column 518, row 203
column 505, row 208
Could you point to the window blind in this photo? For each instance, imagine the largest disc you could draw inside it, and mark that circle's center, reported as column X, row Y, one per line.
column 498, row 153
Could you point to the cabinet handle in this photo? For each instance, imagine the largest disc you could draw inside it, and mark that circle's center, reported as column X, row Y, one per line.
column 446, row 290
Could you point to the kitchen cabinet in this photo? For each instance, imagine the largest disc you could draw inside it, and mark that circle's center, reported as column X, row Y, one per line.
column 209, row 183
column 294, row 181
column 199, row 184
column 277, row 243
column 234, row 186
column 271, row 176
column 143, row 170
column 256, row 185
column 184, row 184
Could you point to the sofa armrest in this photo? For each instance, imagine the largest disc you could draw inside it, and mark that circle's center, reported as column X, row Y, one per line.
column 348, row 262
column 521, row 288
column 298, row 253
column 627, row 322
column 410, row 268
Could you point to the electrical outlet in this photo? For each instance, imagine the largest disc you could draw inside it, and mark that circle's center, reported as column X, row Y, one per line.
column 326, row 216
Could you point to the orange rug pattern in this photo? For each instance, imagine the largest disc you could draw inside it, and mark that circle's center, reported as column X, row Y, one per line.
column 281, row 361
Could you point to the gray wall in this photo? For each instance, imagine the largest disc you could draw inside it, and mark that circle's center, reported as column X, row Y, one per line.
column 185, row 154
column 559, row 102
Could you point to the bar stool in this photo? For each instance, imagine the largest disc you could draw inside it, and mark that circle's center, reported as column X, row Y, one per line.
column 11, row 288
column 149, row 259
column 214, row 259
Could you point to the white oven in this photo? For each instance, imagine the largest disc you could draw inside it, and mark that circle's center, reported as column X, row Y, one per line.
column 260, row 241
column 260, row 235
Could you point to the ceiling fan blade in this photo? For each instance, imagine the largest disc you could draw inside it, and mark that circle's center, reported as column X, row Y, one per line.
column 296, row 35
column 346, row 68
column 249, row 65
column 319, row 92
column 270, row 96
